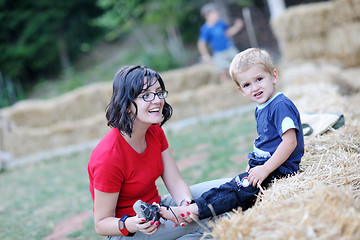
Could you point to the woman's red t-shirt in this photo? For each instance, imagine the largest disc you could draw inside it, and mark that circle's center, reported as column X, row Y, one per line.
column 114, row 166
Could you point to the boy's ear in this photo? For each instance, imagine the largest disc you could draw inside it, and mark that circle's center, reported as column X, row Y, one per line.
column 275, row 76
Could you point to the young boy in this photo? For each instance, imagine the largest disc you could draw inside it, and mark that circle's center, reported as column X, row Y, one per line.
column 277, row 150
column 217, row 34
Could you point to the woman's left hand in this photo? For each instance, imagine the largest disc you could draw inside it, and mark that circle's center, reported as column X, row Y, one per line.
column 148, row 228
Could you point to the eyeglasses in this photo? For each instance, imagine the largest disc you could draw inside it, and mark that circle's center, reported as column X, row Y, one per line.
column 148, row 97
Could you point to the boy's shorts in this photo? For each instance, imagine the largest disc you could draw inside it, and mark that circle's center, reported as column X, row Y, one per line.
column 223, row 59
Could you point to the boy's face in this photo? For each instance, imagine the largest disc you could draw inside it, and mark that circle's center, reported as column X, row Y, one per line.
column 256, row 84
column 212, row 17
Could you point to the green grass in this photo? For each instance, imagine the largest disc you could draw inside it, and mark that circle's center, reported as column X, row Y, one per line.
column 35, row 198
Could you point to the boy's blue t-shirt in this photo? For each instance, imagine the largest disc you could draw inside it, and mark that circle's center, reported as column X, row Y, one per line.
column 215, row 36
column 273, row 118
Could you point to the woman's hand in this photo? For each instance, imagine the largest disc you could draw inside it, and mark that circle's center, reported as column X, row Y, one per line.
column 148, row 228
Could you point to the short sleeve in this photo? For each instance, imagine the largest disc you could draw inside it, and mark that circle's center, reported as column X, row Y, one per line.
column 284, row 118
column 159, row 133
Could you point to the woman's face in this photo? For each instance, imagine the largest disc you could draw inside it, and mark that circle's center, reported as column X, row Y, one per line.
column 149, row 112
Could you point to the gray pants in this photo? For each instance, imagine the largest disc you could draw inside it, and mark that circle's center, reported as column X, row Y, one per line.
column 223, row 59
column 189, row 232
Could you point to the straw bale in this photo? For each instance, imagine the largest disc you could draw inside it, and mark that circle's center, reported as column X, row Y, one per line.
column 323, row 212
column 308, row 72
column 345, row 11
column 206, row 99
column 343, row 43
column 303, row 21
column 324, row 98
column 78, row 104
column 30, row 140
column 347, row 81
column 304, row 48
column 190, row 77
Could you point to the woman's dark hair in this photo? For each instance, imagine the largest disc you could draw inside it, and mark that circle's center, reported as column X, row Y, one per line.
column 128, row 83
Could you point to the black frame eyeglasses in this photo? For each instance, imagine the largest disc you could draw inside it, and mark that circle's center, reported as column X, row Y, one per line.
column 150, row 96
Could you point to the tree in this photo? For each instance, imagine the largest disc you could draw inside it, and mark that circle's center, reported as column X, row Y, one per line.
column 40, row 38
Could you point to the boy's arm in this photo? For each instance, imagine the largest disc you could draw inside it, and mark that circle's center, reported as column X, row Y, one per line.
column 258, row 174
column 204, row 51
column 235, row 28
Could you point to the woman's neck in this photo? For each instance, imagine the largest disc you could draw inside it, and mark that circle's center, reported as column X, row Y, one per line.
column 137, row 140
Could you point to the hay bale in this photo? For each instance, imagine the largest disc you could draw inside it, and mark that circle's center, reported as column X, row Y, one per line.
column 345, row 11
column 294, row 49
column 320, row 31
column 303, row 21
column 191, row 77
column 78, row 104
column 205, row 99
column 29, row 140
column 321, row 202
column 343, row 44
column 298, row 73
column 328, row 212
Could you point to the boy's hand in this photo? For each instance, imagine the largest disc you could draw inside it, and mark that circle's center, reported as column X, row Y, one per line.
column 239, row 23
column 257, row 175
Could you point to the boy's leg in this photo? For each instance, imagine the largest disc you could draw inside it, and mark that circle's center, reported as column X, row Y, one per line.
column 230, row 195
column 193, row 230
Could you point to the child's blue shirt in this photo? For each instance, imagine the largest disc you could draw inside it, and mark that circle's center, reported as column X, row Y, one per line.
column 273, row 118
column 215, row 36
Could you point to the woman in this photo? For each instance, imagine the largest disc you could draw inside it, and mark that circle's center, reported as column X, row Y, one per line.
column 125, row 164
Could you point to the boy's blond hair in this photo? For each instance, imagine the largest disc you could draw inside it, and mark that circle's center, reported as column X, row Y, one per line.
column 247, row 58
column 207, row 8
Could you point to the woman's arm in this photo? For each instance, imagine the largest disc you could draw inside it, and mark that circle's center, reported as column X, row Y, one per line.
column 104, row 213
column 106, row 223
column 173, row 180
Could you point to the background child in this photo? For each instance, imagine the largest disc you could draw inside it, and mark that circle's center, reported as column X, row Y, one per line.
column 216, row 33
column 277, row 150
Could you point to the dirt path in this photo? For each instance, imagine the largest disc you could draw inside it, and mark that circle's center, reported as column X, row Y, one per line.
column 69, row 226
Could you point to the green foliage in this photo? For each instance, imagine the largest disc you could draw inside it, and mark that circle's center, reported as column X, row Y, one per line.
column 10, row 91
column 120, row 16
column 158, row 59
column 31, row 32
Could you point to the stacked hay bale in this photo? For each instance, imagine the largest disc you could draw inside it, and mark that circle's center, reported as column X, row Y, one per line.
column 327, row 31
column 35, row 126
column 196, row 91
column 323, row 200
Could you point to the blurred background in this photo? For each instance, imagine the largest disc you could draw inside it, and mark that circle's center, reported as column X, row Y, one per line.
column 43, row 43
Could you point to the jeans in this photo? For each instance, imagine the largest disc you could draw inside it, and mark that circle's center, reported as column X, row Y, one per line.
column 233, row 194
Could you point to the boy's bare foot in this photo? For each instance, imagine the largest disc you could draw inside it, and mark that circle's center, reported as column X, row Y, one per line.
column 184, row 214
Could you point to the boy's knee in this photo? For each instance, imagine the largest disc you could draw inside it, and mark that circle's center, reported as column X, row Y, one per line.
column 246, row 193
